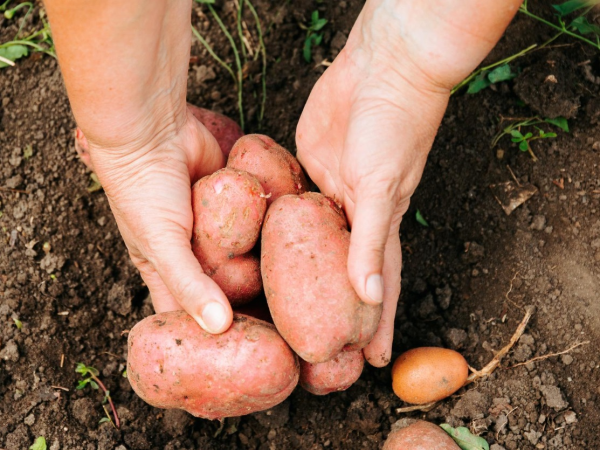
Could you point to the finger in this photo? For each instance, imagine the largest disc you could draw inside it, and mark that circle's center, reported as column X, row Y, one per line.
column 379, row 351
column 162, row 300
column 371, row 223
column 195, row 291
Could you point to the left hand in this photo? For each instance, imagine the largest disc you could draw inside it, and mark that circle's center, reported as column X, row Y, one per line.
column 364, row 137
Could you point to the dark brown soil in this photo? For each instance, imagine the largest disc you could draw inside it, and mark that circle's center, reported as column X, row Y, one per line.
column 466, row 280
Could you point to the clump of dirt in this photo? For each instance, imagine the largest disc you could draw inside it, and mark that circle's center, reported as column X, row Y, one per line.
column 65, row 276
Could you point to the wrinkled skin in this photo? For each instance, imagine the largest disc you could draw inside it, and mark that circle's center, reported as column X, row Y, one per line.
column 173, row 363
column 276, row 169
column 419, row 435
column 304, row 247
column 335, row 375
column 225, row 130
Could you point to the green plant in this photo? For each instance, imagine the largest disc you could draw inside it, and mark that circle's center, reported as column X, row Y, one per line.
column 314, row 36
column 420, row 219
column 484, row 77
column 90, row 376
column 465, row 440
column 514, row 129
column 20, row 46
column 238, row 74
column 578, row 27
column 39, row 444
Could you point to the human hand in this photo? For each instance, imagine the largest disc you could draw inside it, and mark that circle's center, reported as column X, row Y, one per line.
column 371, row 119
column 149, row 190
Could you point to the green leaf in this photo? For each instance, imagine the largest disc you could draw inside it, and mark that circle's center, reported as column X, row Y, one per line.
column 124, row 373
column 524, row 146
column 82, row 384
column 528, row 135
column 27, row 152
column 571, row 6
column 319, row 24
column 502, row 73
column 421, row 219
column 550, row 135
column 465, row 440
column 517, row 134
column 81, row 368
column 94, row 183
column 479, row 83
column 307, row 50
column 18, row 323
column 560, row 122
column 582, row 25
column 103, row 420
column 39, row 444
column 93, row 384
column 12, row 53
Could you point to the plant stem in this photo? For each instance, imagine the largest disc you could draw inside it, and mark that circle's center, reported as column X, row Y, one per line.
column 106, row 393
column 491, row 66
column 240, row 5
column 263, row 52
column 237, row 62
column 212, row 53
column 523, row 9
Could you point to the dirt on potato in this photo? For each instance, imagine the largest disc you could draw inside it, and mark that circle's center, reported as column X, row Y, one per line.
column 66, row 279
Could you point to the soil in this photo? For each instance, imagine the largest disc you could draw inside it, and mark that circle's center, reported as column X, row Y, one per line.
column 467, row 277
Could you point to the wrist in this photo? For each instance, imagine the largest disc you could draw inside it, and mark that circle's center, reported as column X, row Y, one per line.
column 435, row 42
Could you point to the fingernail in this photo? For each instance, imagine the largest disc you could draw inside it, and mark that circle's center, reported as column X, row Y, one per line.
column 374, row 288
column 214, row 317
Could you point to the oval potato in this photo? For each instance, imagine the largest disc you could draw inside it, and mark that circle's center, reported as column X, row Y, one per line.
column 173, row 363
column 277, row 170
column 428, row 374
column 225, row 130
column 305, row 242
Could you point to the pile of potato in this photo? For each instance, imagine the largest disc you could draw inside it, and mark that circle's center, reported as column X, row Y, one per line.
column 257, row 230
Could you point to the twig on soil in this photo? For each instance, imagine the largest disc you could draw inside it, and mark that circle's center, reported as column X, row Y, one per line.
column 550, row 355
column 62, row 360
column 20, row 191
column 426, row 407
column 61, row 388
column 510, row 290
column 495, row 362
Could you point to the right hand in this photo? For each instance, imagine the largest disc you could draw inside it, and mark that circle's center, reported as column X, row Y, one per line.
column 149, row 190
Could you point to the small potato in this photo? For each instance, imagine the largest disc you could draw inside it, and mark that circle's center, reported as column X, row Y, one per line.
column 428, row 374
column 305, row 243
column 277, row 170
column 229, row 207
column 239, row 278
column 225, row 130
column 173, row 363
column 337, row 374
column 419, row 435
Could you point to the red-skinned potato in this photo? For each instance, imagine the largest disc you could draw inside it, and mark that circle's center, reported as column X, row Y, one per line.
column 305, row 242
column 335, row 375
column 428, row 374
column 229, row 207
column 225, row 130
column 419, row 435
column 277, row 170
column 173, row 363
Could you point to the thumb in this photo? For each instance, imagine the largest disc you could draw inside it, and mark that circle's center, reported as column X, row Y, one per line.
column 374, row 214
column 195, row 291
column 371, row 219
